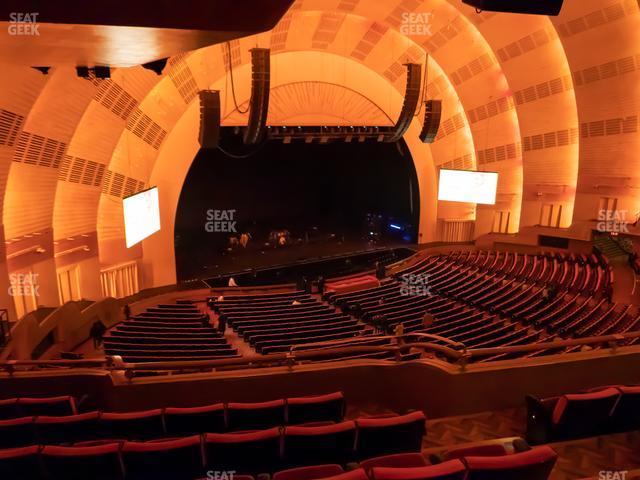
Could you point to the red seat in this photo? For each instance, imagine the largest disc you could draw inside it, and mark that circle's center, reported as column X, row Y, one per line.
column 100, row 462
column 17, row 432
column 143, row 425
column 626, row 414
column 63, row 405
column 67, row 429
column 179, row 459
column 9, row 409
column 319, row 445
column 20, row 463
column 583, row 414
column 534, row 464
column 254, row 416
column 309, row 473
column 190, row 421
column 451, row 470
column 318, row 408
column 491, row 450
column 384, row 436
column 358, row 474
column 570, row 416
column 398, row 460
column 246, row 453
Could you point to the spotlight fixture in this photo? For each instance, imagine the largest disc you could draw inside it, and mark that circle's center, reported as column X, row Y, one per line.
column 102, row 72
column 83, row 72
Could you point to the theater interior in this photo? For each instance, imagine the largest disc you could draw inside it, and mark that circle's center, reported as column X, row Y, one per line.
column 320, row 240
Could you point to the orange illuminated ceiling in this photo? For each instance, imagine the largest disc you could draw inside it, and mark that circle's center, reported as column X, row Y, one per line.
column 551, row 104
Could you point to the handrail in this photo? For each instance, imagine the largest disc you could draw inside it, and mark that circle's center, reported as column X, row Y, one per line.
column 462, row 357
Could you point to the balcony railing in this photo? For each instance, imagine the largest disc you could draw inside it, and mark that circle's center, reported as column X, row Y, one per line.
column 454, row 352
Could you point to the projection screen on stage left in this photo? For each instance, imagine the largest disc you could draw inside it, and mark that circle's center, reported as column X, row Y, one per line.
column 468, row 186
column 141, row 215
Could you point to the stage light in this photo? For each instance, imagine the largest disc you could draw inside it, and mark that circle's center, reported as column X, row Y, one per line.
column 83, row 72
column 394, row 226
column 102, row 72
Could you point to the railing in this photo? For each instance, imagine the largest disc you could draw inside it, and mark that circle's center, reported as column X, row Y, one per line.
column 455, row 353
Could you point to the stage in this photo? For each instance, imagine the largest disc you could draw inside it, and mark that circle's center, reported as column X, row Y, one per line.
column 260, row 264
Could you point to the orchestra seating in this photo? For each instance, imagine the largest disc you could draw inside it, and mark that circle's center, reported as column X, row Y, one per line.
column 476, row 298
column 492, row 299
column 171, row 332
column 273, row 323
column 596, row 412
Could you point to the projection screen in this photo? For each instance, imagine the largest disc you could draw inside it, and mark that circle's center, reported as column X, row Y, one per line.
column 468, row 186
column 141, row 216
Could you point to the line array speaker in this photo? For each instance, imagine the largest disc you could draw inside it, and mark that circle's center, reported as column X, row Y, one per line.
column 411, row 98
column 209, row 118
column 535, row 7
column 432, row 114
column 259, row 103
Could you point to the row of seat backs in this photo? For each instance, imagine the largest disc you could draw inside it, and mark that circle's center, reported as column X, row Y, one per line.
column 149, row 424
column 599, row 411
column 33, row 406
column 263, row 451
column 534, row 464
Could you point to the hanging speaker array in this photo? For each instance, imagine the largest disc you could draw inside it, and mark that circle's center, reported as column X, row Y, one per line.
column 534, row 7
column 411, row 99
column 243, row 141
column 259, row 103
column 431, row 124
column 209, row 134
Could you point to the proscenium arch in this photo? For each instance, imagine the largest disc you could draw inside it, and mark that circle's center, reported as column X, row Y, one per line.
column 181, row 147
column 206, row 66
column 383, row 24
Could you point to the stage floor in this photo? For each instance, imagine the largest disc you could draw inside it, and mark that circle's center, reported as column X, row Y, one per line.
column 259, row 257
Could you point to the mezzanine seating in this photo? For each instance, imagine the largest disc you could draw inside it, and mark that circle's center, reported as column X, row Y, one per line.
column 533, row 464
column 171, row 421
column 32, row 406
column 253, row 452
column 596, row 412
